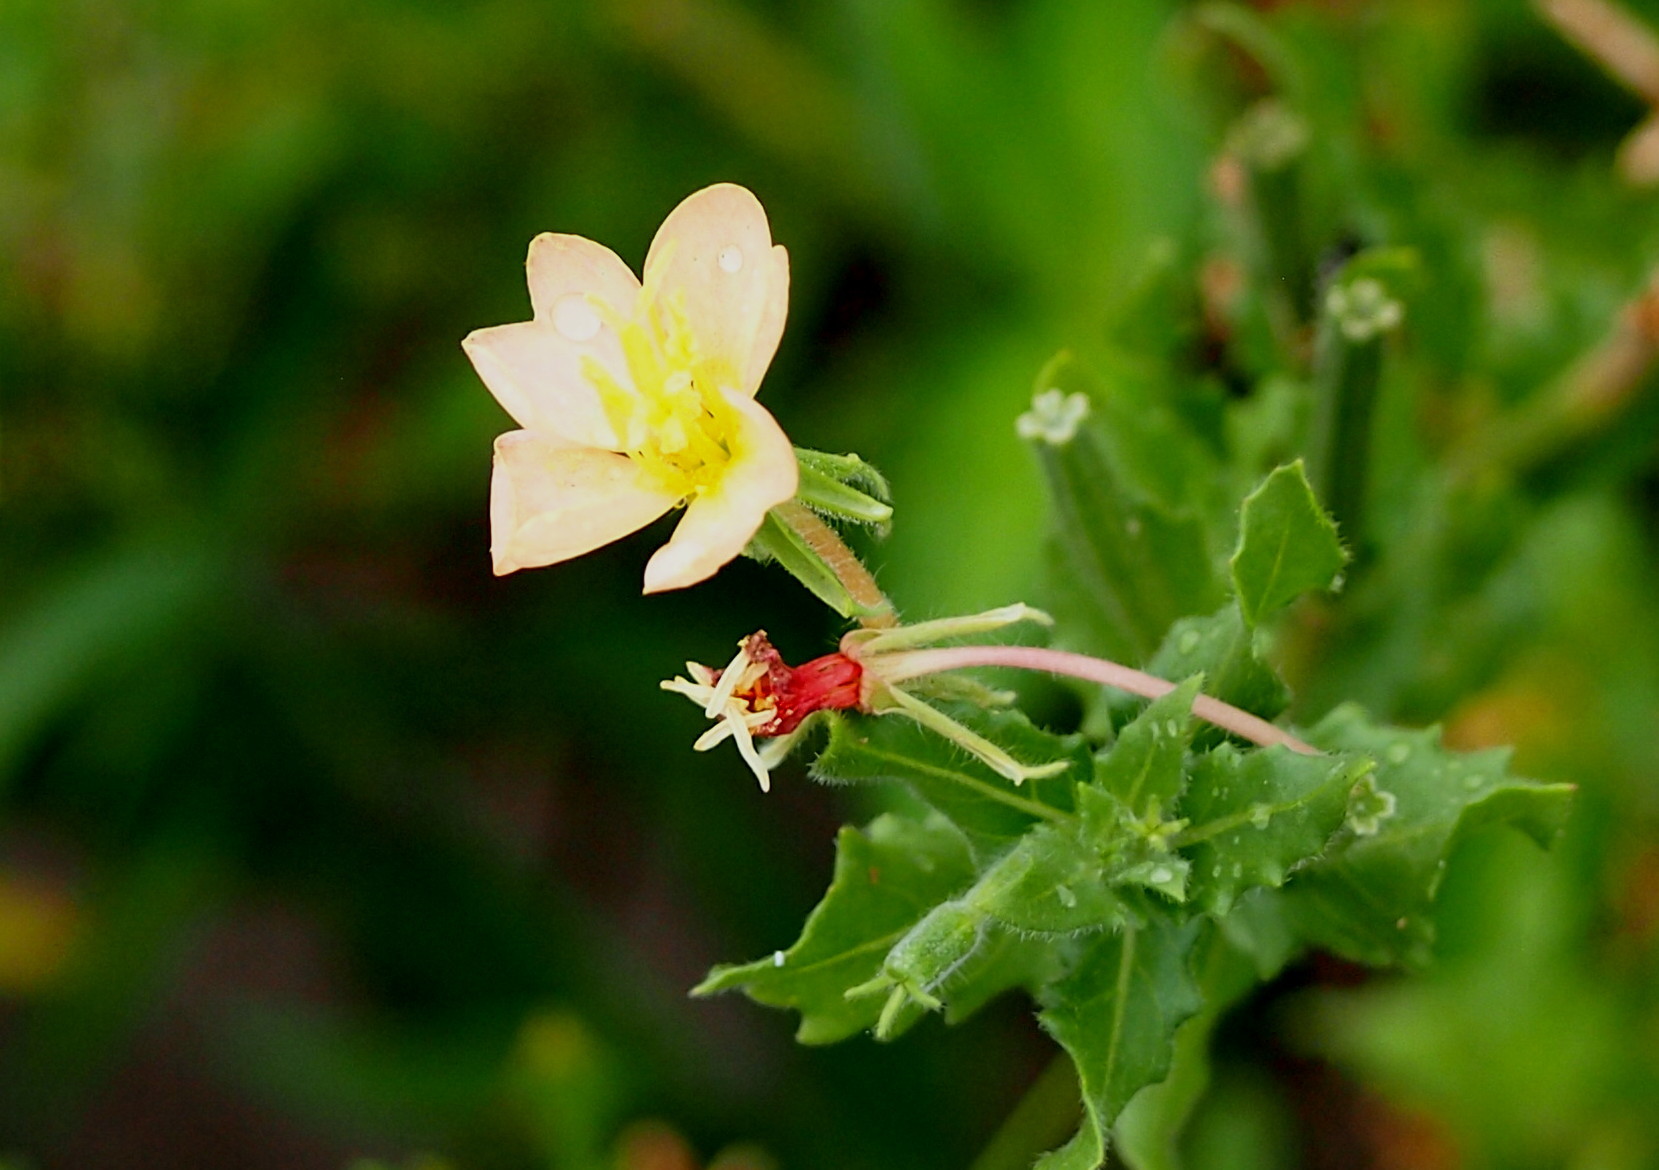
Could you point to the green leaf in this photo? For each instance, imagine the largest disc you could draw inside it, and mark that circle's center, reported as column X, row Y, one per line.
column 1287, row 545
column 1129, row 554
column 1116, row 1015
column 1149, row 1129
column 1258, row 926
column 886, row 878
column 1255, row 816
column 1053, row 881
column 1369, row 899
column 988, row 808
column 1221, row 648
column 1080, row 875
column 1144, row 768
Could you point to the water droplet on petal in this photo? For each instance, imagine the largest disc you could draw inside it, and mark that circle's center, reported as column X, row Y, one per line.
column 730, row 258
column 1260, row 815
column 575, row 318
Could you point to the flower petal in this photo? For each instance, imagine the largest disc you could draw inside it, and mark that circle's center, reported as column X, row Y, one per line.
column 550, row 501
column 561, row 266
column 536, row 373
column 719, row 522
column 769, row 330
column 713, row 260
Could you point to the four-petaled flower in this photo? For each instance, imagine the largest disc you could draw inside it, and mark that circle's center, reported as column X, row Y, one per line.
column 637, row 398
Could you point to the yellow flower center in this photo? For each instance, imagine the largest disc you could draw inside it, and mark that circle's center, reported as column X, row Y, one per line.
column 672, row 420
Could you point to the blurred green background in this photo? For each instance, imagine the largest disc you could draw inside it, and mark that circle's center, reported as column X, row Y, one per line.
column 319, row 843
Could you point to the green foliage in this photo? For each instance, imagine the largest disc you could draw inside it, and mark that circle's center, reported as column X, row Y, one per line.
column 844, row 487
column 1287, row 546
column 1109, row 873
column 1256, row 816
column 988, row 811
column 886, row 878
column 1116, row 1015
column 1370, row 898
column 1145, row 768
column 1129, row 554
column 1221, row 648
column 775, row 541
column 288, row 775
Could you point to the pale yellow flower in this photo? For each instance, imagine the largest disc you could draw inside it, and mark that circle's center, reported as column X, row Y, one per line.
column 635, row 399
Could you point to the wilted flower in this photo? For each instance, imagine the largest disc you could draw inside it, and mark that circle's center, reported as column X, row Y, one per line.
column 759, row 696
column 635, row 399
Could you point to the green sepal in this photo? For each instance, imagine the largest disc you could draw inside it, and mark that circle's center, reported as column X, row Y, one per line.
column 775, row 541
column 1370, row 898
column 844, row 487
column 1255, row 816
column 886, row 877
column 1287, row 545
column 1116, row 1015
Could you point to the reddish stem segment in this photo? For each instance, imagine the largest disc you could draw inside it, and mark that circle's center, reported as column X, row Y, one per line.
column 905, row 664
column 842, row 561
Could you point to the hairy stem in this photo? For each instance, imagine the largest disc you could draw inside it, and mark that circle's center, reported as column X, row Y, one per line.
column 913, row 663
column 842, row 561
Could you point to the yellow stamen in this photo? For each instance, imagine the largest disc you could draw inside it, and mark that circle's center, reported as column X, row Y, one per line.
column 672, row 420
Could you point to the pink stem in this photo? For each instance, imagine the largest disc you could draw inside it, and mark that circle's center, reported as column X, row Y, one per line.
column 904, row 664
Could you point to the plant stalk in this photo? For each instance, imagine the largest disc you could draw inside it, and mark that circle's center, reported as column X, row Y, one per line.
column 842, row 561
column 905, row 664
